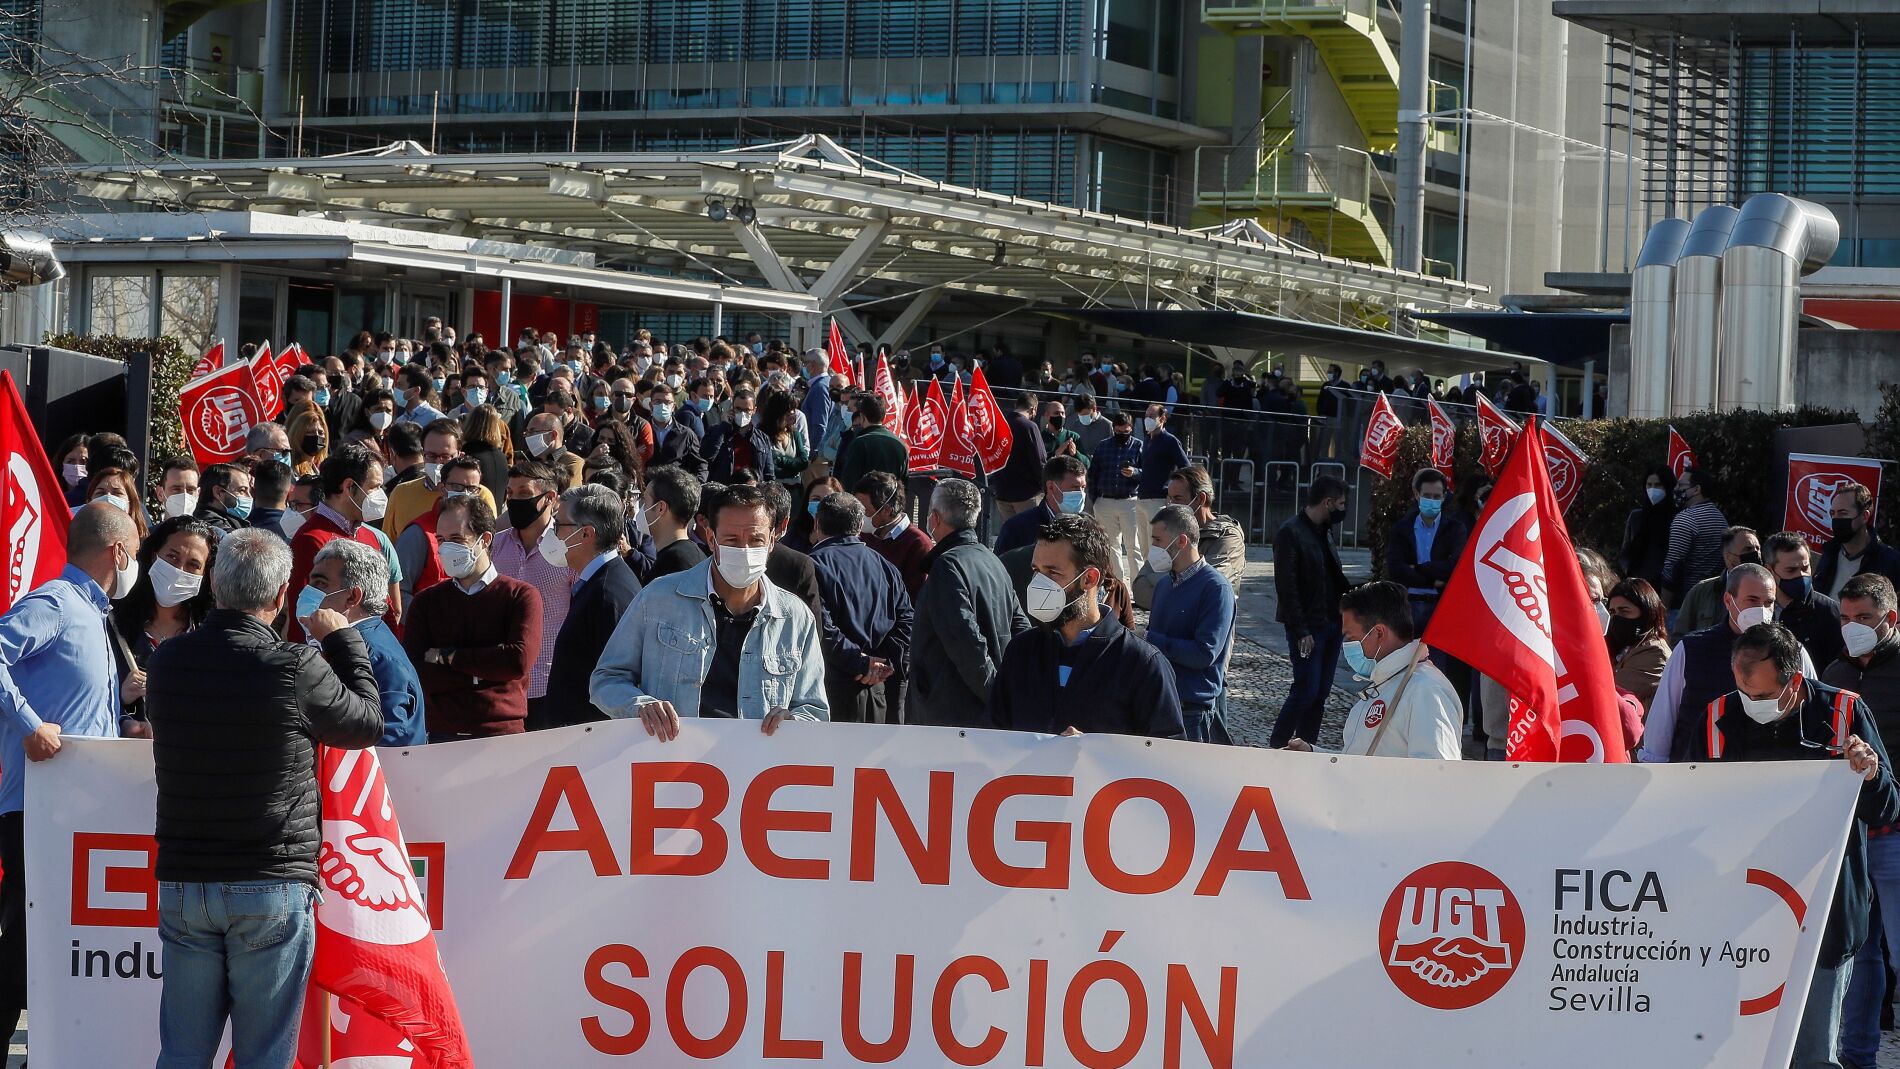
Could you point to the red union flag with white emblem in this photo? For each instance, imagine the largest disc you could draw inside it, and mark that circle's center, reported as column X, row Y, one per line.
column 840, row 360
column 1813, row 481
column 959, row 445
column 1496, row 432
column 1517, row 610
column 988, row 429
column 928, row 429
column 375, row 938
column 1567, row 465
column 212, row 360
column 217, row 411
column 1383, row 433
column 886, row 387
column 1444, row 439
column 34, row 511
column 1681, row 457
column 290, row 360
column 266, row 386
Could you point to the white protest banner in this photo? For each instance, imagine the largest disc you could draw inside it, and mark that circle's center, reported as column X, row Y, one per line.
column 858, row 895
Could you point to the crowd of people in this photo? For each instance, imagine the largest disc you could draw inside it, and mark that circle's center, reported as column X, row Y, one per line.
column 440, row 541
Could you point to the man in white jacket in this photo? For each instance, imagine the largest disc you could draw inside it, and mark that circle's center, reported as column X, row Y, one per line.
column 1411, row 709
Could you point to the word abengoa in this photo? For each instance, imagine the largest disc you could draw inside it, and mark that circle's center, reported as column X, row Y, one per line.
column 927, row 844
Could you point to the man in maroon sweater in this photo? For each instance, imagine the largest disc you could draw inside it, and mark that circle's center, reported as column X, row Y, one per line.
column 889, row 530
column 474, row 638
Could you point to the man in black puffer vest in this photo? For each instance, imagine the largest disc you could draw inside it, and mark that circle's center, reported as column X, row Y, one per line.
column 236, row 715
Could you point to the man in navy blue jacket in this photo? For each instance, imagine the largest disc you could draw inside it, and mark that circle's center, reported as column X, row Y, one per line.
column 1192, row 622
column 1080, row 670
column 1161, row 456
column 589, row 524
column 865, row 628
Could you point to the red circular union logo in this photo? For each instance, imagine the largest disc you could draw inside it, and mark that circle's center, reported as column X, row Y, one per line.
column 1375, row 712
column 1451, row 935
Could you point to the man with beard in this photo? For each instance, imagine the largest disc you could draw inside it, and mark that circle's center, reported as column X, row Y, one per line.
column 1081, row 670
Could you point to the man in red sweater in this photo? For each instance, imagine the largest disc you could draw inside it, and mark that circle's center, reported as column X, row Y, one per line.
column 473, row 638
column 352, row 496
column 888, row 529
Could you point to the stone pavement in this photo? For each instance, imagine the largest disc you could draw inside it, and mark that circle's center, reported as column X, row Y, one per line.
column 1260, row 672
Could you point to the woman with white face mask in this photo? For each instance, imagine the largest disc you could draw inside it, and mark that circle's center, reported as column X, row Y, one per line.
column 171, row 597
column 1646, row 530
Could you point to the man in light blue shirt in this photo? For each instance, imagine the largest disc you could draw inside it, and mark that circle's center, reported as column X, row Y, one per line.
column 56, row 678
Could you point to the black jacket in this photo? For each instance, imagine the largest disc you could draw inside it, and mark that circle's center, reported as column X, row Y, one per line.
column 718, row 449
column 964, row 618
column 1307, row 577
column 1402, row 565
column 1877, row 683
column 341, row 414
column 1118, row 684
column 592, row 614
column 788, row 569
column 1877, row 557
column 218, row 519
column 236, row 716
column 680, row 448
column 1817, row 623
column 1020, row 477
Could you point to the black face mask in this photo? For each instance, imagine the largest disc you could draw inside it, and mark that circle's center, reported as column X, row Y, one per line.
column 1752, row 556
column 1055, row 423
column 1623, row 632
column 1336, row 517
column 1121, row 437
column 522, row 513
column 312, row 443
column 1843, row 529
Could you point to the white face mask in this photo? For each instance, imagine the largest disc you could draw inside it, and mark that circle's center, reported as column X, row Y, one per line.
column 123, row 579
column 1603, row 618
column 432, row 474
column 742, row 566
column 552, row 548
column 291, row 523
column 375, row 505
column 380, row 420
column 1047, row 598
column 742, row 420
column 1149, row 424
column 180, row 504
column 171, row 586
column 1762, row 710
column 1860, row 639
column 537, row 444
column 457, row 559
column 1759, row 614
column 1160, row 558
column 119, row 501
column 1656, row 495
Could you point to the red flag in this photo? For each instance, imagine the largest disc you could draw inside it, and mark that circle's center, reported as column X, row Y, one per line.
column 1381, row 445
column 1496, row 432
column 33, row 511
column 211, row 361
column 840, row 359
column 1517, row 610
column 290, row 360
column 1681, row 457
column 1567, row 465
column 959, row 444
column 265, row 385
column 1444, row 438
column 928, row 429
column 989, row 431
column 884, row 386
column 217, row 412
column 375, row 938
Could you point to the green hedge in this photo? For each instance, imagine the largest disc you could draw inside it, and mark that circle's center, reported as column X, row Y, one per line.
column 171, row 367
column 1735, row 447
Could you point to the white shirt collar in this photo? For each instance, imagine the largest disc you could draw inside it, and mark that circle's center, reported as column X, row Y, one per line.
column 487, row 577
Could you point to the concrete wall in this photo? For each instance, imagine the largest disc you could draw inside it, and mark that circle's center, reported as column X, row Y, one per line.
column 1841, row 369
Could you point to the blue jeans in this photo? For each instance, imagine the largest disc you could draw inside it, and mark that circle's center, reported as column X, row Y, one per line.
column 1305, row 703
column 1860, row 1014
column 236, row 950
column 1816, row 1041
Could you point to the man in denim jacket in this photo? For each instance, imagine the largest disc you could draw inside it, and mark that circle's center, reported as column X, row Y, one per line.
column 716, row 640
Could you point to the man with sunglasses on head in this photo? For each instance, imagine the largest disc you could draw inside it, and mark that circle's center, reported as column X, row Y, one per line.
column 1778, row 711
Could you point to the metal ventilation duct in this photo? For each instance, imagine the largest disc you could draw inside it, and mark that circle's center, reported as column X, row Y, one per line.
column 1697, row 326
column 1652, row 300
column 1776, row 240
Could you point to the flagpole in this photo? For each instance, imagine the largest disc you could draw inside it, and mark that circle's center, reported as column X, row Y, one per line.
column 329, row 1003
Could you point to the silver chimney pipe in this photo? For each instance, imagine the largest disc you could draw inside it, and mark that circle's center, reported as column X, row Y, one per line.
column 1652, row 300
column 1776, row 240
column 1698, row 323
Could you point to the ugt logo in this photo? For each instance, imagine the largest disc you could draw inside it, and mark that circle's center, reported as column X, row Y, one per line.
column 1451, row 935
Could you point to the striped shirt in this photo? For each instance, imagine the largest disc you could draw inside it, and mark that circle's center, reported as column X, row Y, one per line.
column 1695, row 545
column 521, row 560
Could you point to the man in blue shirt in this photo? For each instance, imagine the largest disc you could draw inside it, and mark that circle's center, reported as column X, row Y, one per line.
column 1192, row 622
column 1064, row 487
column 1114, row 476
column 818, row 404
column 56, row 678
column 353, row 579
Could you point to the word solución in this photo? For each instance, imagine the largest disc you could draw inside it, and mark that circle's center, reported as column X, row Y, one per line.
column 1150, row 1021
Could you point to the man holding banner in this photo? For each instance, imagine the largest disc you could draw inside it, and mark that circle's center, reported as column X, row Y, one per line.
column 1779, row 712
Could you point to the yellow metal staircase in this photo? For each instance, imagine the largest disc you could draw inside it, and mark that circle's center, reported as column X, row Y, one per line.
column 1347, row 37
column 1329, row 192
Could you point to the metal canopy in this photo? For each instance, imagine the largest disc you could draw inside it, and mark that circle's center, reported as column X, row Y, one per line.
column 1566, row 338
column 1320, row 341
column 831, row 225
column 1816, row 23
